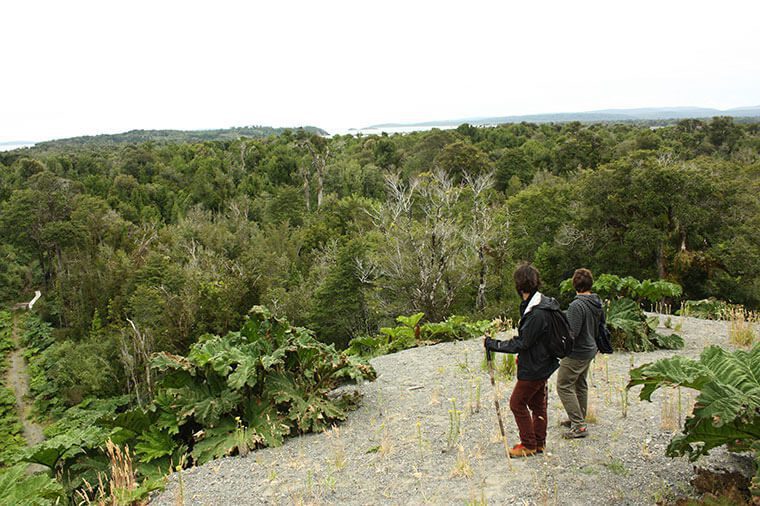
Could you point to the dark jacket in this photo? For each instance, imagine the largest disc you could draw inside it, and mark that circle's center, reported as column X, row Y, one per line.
column 584, row 314
column 533, row 360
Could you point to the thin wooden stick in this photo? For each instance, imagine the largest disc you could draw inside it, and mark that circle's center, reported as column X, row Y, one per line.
column 498, row 408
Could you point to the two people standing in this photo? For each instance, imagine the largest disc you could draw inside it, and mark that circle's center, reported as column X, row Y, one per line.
column 535, row 364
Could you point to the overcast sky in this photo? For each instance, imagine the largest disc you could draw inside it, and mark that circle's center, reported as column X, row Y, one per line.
column 82, row 68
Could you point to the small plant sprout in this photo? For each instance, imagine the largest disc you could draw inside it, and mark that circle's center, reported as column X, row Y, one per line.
column 474, row 392
column 631, row 362
column 181, row 481
column 454, row 423
column 645, row 449
column 477, row 501
column 623, row 400
column 607, row 370
column 616, row 467
column 668, row 322
column 506, row 367
column 329, row 481
column 386, row 445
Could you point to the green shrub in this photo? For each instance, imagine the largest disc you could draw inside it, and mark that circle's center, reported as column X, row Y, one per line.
column 711, row 309
column 411, row 334
column 610, row 286
column 17, row 487
column 229, row 395
column 11, row 437
column 6, row 343
column 632, row 331
column 727, row 410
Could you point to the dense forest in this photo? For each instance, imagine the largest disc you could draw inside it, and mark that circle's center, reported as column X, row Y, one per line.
column 341, row 235
column 141, row 248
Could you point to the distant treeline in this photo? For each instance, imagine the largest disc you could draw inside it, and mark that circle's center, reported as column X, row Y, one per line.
column 167, row 136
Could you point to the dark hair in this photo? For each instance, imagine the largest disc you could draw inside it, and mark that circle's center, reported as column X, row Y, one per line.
column 527, row 278
column 583, row 280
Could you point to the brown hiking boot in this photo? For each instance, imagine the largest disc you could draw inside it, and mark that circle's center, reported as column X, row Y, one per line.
column 521, row 451
column 575, row 433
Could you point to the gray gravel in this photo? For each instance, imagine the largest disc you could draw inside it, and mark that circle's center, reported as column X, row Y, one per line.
column 397, row 448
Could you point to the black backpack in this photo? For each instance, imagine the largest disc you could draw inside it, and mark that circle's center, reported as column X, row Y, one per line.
column 603, row 336
column 560, row 342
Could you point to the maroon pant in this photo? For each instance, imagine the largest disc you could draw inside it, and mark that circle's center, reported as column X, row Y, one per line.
column 528, row 404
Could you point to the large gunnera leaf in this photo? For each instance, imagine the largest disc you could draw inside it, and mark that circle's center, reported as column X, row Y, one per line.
column 17, row 487
column 727, row 410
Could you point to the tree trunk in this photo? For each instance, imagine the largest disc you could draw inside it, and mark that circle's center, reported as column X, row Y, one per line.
column 480, row 301
column 661, row 261
column 306, row 187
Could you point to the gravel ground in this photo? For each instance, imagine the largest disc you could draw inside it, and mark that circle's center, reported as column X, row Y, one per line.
column 398, row 447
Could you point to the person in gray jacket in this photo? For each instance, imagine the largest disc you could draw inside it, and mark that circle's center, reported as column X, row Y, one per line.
column 583, row 314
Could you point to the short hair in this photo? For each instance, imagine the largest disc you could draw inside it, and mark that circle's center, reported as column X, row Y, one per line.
column 583, row 280
column 527, row 278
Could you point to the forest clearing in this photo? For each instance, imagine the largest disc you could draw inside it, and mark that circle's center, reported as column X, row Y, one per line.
column 424, row 435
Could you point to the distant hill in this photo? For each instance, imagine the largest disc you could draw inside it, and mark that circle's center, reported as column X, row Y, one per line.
column 167, row 136
column 604, row 115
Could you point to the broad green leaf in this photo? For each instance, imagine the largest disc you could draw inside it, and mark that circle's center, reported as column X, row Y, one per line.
column 154, row 444
column 19, row 488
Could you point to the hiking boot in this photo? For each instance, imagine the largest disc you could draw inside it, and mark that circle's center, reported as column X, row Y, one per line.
column 575, row 433
column 565, row 423
column 520, row 451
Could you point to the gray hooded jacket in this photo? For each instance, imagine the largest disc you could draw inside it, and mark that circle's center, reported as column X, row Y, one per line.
column 584, row 314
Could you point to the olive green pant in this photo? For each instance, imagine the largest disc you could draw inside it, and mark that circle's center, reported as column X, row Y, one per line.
column 572, row 389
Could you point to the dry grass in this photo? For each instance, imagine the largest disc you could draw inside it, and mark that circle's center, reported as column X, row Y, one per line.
column 122, row 481
column 462, row 467
column 338, row 457
column 591, row 416
column 669, row 415
column 742, row 332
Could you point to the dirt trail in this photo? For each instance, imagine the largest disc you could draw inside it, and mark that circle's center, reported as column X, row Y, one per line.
column 17, row 379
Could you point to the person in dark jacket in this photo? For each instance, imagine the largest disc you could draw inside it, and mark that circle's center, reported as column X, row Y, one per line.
column 534, row 363
column 583, row 314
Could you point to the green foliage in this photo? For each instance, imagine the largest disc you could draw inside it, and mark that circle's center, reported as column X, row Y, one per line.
column 411, row 334
column 11, row 437
column 631, row 331
column 6, row 343
column 18, row 487
column 609, row 286
column 727, row 410
column 252, row 387
column 712, row 309
column 141, row 248
column 229, row 395
column 161, row 136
